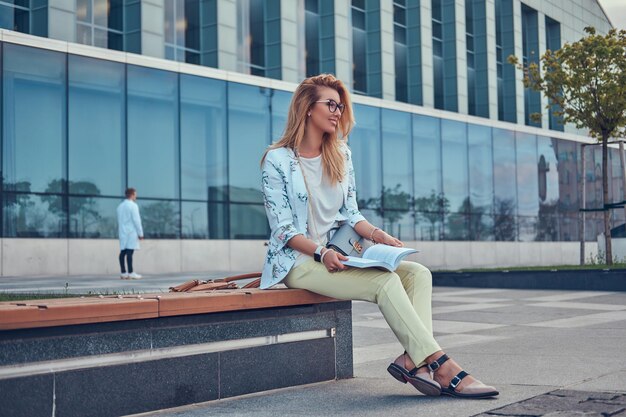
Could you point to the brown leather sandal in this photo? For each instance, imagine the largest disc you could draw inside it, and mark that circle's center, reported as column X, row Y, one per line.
column 423, row 384
column 474, row 390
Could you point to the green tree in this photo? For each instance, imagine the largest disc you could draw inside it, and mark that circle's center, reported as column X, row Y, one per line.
column 432, row 208
column 585, row 81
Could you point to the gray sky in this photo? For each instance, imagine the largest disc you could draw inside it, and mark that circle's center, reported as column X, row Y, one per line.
column 616, row 9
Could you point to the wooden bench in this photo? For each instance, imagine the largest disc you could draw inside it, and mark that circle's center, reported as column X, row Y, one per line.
column 116, row 355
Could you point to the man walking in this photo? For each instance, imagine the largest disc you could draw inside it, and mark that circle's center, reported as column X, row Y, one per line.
column 130, row 232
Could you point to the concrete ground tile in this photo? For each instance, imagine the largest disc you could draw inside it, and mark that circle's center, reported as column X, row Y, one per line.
column 571, row 295
column 447, row 326
column 582, row 306
column 511, row 314
column 613, row 382
column 465, row 307
column 582, row 320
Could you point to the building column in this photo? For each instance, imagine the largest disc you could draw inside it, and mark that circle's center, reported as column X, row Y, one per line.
column 388, row 58
column 153, row 28
column 227, row 35
column 62, row 20
column 292, row 33
column 461, row 56
column 490, row 6
column 545, row 116
column 428, row 82
column 519, row 52
column 343, row 42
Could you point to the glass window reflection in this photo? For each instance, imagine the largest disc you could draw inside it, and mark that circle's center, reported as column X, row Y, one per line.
column 527, row 185
column 397, row 160
column 248, row 137
column 160, row 218
column 194, row 218
column 505, row 185
column 30, row 215
column 34, row 128
column 365, row 144
column 454, row 166
column 280, row 108
column 548, row 188
column 248, row 221
column 153, row 132
column 96, row 129
column 92, row 217
column 203, row 144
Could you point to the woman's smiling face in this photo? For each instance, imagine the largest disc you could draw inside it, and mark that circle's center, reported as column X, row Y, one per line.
column 321, row 116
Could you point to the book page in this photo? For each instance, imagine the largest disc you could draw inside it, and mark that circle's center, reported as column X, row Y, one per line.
column 387, row 254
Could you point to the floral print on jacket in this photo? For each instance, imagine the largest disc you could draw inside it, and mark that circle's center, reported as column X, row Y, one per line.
column 286, row 202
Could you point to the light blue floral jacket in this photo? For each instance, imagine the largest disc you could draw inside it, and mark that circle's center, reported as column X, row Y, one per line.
column 286, row 203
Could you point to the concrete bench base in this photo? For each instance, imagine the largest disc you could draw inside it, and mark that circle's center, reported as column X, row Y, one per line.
column 133, row 366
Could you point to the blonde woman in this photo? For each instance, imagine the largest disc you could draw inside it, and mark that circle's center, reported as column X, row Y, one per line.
column 308, row 186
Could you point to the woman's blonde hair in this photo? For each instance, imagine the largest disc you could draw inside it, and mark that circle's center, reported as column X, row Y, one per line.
column 303, row 99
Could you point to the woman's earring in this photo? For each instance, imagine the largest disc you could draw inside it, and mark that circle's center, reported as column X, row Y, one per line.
column 309, row 114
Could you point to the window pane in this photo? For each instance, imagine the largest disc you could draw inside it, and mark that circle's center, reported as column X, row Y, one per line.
column 397, row 160
column 248, row 221
column 280, row 108
column 160, row 219
column 505, row 186
column 454, row 164
column 93, row 217
column 218, row 221
column 203, row 139
column 548, row 189
column 34, row 103
column 29, row 215
column 195, row 221
column 480, row 169
column 527, row 185
column 96, row 126
column 153, row 132
column 365, row 145
column 426, row 156
column 248, row 135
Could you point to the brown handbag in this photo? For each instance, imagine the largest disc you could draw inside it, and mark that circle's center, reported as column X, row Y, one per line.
column 227, row 283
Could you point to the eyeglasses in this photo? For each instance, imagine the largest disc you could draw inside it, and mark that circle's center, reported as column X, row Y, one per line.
column 333, row 105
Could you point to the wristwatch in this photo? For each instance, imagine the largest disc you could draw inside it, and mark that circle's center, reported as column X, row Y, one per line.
column 318, row 254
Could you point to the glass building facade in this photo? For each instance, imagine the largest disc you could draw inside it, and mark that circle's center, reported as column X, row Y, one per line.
column 76, row 131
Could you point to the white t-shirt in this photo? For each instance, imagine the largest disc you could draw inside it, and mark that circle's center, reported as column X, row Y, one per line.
column 325, row 200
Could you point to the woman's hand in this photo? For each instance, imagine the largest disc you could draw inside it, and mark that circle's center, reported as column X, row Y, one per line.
column 332, row 261
column 386, row 239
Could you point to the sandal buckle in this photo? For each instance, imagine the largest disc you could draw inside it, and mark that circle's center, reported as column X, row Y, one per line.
column 454, row 382
column 433, row 366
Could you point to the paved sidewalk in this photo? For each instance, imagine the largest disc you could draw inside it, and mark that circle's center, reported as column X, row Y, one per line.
column 551, row 353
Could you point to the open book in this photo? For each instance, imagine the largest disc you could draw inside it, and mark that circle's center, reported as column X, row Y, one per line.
column 380, row 256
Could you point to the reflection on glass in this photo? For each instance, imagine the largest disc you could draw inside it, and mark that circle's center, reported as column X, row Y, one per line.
column 481, row 227
column 153, row 132
column 397, row 160
column 527, row 228
column 280, row 108
column 219, row 223
column 454, row 158
column 505, row 185
column 456, row 226
column 399, row 223
column 428, row 225
column 248, row 221
column 548, row 177
column 96, row 125
column 365, row 145
column 248, row 137
column 34, row 128
column 194, row 218
column 527, row 174
column 160, row 219
column 480, row 169
column 92, row 217
column 426, row 156
column 29, row 215
column 203, row 144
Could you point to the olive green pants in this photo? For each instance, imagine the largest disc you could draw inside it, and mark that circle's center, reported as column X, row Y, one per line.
column 403, row 296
